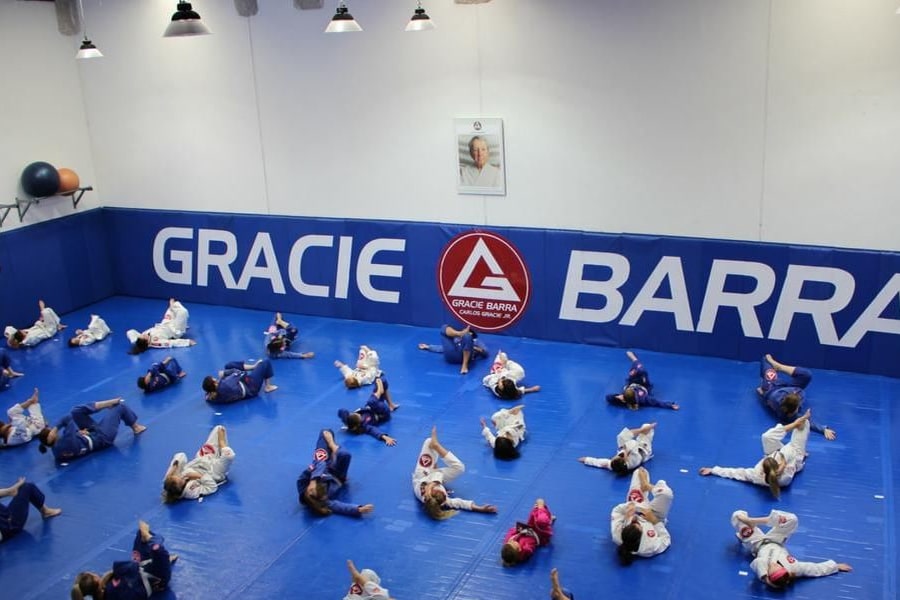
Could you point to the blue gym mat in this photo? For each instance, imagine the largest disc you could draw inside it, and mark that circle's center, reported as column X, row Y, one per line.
column 253, row 540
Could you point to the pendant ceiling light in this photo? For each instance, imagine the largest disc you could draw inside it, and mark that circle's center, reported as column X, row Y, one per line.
column 88, row 49
column 185, row 22
column 342, row 21
column 420, row 20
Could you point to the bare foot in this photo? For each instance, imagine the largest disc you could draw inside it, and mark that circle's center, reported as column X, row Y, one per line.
column 675, row 407
column 48, row 512
column 582, row 459
column 423, row 346
column 307, row 355
column 271, row 388
column 705, row 471
column 182, row 374
column 463, row 370
column 138, row 429
column 434, row 437
column 173, row 558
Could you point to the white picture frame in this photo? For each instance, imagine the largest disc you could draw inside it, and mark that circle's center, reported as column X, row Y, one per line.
column 481, row 167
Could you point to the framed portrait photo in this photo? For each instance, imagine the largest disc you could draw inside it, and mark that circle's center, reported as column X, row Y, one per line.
column 480, row 162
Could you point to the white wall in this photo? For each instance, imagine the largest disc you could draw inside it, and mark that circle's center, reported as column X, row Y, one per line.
column 704, row 118
column 42, row 116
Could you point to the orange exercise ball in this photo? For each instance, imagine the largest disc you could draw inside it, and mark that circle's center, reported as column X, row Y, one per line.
column 68, row 180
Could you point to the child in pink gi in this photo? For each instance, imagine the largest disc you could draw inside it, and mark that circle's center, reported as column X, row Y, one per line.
column 522, row 539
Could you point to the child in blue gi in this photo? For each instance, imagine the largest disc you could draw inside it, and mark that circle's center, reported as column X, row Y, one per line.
column 785, row 397
column 459, row 347
column 636, row 392
column 14, row 515
column 77, row 434
column 148, row 571
column 160, row 375
column 239, row 380
column 279, row 338
column 6, row 371
column 377, row 410
column 323, row 479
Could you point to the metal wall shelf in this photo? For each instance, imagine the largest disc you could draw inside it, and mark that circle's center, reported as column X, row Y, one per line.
column 23, row 204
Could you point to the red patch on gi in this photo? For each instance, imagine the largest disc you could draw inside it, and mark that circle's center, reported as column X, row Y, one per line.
column 355, row 589
column 746, row 532
column 651, row 533
column 791, row 559
column 770, row 375
column 320, row 454
column 426, row 461
column 206, row 450
column 635, row 496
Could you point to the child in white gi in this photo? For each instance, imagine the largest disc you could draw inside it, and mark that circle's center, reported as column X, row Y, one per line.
column 638, row 525
column 96, row 330
column 781, row 461
column 504, row 378
column 204, row 474
column 772, row 562
column 510, row 426
column 166, row 334
column 44, row 328
column 366, row 585
column 635, row 448
column 428, row 481
column 25, row 421
column 367, row 369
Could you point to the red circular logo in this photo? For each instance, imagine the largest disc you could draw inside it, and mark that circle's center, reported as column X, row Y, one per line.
column 651, row 533
column 425, row 461
column 483, row 280
column 771, row 375
column 635, row 496
column 746, row 532
column 320, row 454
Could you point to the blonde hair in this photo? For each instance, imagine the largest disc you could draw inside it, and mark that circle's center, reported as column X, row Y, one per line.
column 770, row 472
column 435, row 509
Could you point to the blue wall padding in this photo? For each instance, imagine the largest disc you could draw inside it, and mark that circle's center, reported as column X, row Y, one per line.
column 77, row 260
column 66, row 262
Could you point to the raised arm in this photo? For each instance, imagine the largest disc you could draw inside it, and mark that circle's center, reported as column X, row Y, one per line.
column 355, row 575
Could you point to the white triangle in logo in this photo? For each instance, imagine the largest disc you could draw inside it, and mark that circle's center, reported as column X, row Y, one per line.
column 490, row 288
